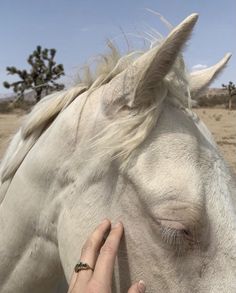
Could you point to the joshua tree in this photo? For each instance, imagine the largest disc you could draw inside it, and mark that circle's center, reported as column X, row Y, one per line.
column 230, row 87
column 41, row 77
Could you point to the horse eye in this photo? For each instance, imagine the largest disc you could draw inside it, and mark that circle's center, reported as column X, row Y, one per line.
column 176, row 235
column 187, row 233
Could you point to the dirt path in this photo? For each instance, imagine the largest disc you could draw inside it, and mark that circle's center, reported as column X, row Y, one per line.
column 221, row 122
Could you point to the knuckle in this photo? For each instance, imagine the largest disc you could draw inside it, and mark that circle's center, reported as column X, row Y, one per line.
column 88, row 246
column 94, row 287
column 108, row 248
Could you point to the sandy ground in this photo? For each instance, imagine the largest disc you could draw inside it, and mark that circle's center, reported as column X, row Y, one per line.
column 9, row 124
column 221, row 123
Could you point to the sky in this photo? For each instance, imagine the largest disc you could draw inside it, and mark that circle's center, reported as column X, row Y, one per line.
column 79, row 29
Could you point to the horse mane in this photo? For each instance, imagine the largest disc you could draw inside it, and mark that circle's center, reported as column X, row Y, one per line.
column 45, row 112
column 107, row 67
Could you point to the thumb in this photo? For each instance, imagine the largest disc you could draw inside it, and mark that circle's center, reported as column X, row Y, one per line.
column 137, row 287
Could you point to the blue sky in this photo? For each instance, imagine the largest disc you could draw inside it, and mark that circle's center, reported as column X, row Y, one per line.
column 78, row 29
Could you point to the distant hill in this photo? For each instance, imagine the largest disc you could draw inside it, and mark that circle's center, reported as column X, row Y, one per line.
column 29, row 96
column 7, row 102
column 4, row 97
column 214, row 97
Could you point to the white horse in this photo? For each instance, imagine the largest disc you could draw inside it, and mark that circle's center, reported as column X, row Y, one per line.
column 126, row 147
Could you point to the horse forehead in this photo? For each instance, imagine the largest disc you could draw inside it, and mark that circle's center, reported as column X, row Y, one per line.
column 175, row 139
column 171, row 153
column 169, row 166
column 170, row 175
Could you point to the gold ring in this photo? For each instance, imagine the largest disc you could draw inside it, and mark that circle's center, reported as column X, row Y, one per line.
column 82, row 266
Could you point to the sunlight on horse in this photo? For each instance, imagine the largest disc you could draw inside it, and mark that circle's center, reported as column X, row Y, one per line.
column 124, row 145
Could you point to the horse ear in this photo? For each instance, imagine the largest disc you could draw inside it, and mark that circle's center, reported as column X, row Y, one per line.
column 156, row 63
column 200, row 80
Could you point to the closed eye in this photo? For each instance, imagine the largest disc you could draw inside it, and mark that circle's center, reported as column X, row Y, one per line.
column 173, row 236
column 176, row 235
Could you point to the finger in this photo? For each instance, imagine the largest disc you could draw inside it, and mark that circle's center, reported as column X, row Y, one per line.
column 92, row 246
column 137, row 288
column 72, row 281
column 90, row 253
column 105, row 262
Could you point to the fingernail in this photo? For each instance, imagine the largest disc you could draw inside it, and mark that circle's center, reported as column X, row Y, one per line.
column 118, row 224
column 141, row 286
column 104, row 221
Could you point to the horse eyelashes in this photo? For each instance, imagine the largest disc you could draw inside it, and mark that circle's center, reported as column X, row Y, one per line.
column 171, row 236
column 179, row 239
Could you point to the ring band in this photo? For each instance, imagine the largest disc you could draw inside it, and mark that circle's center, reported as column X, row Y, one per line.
column 82, row 266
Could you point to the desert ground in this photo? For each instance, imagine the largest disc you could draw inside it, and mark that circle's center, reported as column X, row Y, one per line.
column 221, row 123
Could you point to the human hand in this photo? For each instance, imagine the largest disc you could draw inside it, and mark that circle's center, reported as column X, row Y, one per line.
column 101, row 257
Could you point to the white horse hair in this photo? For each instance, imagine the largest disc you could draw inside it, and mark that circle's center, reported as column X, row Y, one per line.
column 123, row 144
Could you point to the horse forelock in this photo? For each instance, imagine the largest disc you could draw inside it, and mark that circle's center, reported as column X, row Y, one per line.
column 126, row 132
